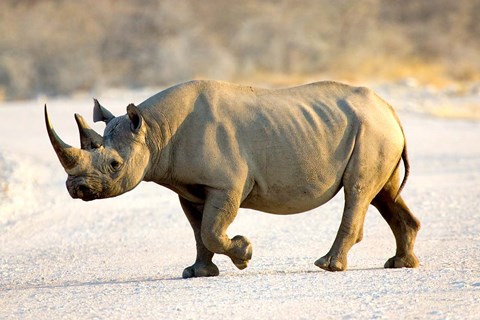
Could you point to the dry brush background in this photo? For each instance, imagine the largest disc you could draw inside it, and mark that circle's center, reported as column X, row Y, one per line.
column 59, row 47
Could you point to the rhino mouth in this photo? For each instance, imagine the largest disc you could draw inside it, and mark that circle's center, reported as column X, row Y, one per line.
column 86, row 194
column 80, row 189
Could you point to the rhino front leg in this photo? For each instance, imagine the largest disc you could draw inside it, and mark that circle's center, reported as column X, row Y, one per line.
column 203, row 266
column 219, row 212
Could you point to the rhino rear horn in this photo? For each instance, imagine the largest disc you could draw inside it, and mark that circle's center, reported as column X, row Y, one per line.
column 89, row 139
column 100, row 113
column 67, row 154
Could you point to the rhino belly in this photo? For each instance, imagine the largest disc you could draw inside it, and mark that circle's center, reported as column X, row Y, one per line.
column 290, row 202
column 287, row 188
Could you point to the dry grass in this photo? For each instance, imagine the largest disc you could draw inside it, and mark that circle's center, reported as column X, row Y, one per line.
column 470, row 111
column 59, row 46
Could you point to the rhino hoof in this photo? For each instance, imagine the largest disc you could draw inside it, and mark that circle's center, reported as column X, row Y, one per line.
column 330, row 263
column 240, row 264
column 241, row 252
column 201, row 270
column 409, row 261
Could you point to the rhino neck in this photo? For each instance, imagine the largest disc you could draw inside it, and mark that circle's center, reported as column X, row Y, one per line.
column 159, row 143
column 165, row 113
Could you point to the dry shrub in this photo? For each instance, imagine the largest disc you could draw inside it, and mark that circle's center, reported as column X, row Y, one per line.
column 61, row 46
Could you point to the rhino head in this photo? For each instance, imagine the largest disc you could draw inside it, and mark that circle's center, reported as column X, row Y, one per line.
column 105, row 166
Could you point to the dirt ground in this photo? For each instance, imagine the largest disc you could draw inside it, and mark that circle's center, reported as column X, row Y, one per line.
column 122, row 258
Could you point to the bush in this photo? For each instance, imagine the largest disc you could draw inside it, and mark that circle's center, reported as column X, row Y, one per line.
column 60, row 46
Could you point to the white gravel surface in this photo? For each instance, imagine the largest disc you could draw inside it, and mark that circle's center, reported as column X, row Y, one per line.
column 122, row 258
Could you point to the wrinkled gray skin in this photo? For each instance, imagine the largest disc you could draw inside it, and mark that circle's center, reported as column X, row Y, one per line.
column 222, row 146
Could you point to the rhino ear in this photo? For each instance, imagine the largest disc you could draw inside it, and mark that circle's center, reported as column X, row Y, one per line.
column 100, row 113
column 135, row 118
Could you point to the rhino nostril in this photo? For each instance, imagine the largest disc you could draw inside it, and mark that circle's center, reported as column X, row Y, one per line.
column 83, row 189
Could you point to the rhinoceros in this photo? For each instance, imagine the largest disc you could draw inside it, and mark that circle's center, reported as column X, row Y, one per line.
column 222, row 146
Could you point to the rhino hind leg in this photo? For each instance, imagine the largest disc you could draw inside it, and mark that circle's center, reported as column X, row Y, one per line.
column 349, row 233
column 403, row 223
column 203, row 266
column 368, row 170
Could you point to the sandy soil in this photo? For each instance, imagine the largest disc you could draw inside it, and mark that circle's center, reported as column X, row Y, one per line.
column 123, row 257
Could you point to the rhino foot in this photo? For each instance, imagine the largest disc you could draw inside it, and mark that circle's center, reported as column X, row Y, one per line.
column 408, row 261
column 201, row 270
column 239, row 263
column 241, row 252
column 331, row 263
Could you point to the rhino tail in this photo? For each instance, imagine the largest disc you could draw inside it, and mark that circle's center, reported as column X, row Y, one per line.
column 404, row 157
column 406, row 164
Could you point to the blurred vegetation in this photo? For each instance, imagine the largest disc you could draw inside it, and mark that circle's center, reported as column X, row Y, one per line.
column 59, row 47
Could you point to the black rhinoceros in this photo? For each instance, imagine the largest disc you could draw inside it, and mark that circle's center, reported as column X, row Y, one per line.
column 222, row 147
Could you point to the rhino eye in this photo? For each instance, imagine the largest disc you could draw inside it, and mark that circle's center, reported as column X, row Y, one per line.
column 115, row 165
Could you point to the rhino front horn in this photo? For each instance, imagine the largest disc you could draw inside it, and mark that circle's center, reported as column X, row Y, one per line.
column 67, row 154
